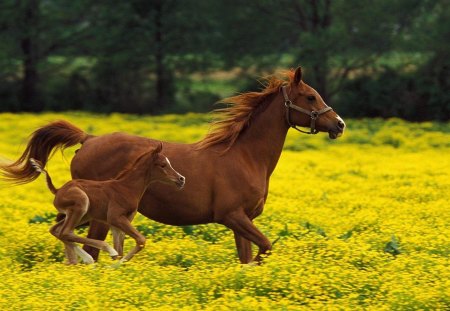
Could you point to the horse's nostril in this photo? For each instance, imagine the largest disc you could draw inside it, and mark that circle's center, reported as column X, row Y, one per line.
column 341, row 124
column 182, row 178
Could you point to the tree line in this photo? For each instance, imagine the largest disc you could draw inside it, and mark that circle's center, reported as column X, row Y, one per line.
column 381, row 58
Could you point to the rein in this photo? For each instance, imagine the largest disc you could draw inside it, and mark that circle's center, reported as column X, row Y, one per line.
column 314, row 114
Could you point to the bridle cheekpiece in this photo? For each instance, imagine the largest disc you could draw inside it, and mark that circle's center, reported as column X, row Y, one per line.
column 314, row 114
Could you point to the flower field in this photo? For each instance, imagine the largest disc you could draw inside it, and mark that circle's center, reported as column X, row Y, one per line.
column 359, row 223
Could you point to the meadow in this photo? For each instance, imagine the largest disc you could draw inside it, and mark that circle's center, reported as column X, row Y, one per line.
column 359, row 223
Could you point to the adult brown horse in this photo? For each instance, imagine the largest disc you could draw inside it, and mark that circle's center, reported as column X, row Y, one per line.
column 228, row 171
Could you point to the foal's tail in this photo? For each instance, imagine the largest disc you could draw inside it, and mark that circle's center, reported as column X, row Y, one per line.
column 55, row 135
column 40, row 169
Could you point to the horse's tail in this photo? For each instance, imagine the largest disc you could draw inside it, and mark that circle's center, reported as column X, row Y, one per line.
column 40, row 169
column 56, row 135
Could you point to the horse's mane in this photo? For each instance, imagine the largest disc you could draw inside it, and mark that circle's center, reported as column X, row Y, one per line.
column 231, row 121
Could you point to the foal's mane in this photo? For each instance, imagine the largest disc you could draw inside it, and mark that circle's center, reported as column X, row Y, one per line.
column 231, row 121
column 130, row 165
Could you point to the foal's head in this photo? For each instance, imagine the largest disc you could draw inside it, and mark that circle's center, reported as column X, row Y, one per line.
column 302, row 95
column 158, row 168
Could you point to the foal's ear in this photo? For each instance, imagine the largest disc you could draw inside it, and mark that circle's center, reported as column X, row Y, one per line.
column 298, row 75
column 157, row 149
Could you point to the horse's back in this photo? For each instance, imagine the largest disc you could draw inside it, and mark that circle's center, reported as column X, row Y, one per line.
column 103, row 157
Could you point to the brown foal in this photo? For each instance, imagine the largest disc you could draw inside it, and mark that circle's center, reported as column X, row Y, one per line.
column 113, row 202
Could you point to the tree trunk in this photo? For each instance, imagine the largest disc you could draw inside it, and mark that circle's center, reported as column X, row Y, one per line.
column 163, row 76
column 320, row 21
column 320, row 80
column 29, row 96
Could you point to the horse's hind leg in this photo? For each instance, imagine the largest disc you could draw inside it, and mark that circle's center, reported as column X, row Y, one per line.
column 243, row 226
column 69, row 251
column 74, row 216
column 83, row 254
column 71, row 254
column 65, row 231
column 97, row 231
column 67, row 235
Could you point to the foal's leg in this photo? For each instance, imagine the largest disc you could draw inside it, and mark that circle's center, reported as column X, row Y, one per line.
column 74, row 217
column 118, row 239
column 71, row 220
column 71, row 253
column 67, row 235
column 97, row 231
column 69, row 247
column 123, row 223
column 242, row 225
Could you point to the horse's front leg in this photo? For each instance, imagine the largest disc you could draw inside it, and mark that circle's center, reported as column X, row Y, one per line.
column 123, row 223
column 244, row 248
column 118, row 240
column 241, row 224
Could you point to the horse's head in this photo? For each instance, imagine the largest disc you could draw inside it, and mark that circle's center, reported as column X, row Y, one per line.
column 162, row 170
column 306, row 108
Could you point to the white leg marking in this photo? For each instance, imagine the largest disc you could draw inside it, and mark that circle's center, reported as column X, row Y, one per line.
column 112, row 252
column 84, row 255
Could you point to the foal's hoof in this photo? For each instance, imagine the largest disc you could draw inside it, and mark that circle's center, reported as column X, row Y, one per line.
column 89, row 261
column 116, row 257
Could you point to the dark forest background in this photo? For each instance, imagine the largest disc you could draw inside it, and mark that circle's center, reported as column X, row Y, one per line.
column 382, row 58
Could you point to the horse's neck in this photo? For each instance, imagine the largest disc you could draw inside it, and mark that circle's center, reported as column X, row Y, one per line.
column 135, row 180
column 264, row 138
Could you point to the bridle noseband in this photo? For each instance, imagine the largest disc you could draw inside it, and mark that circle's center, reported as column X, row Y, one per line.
column 313, row 113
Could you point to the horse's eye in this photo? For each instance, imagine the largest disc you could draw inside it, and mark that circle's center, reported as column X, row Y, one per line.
column 163, row 165
column 311, row 98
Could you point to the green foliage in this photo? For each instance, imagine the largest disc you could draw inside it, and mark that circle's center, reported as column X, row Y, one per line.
column 314, row 228
column 419, row 96
column 393, row 246
column 179, row 56
column 46, row 218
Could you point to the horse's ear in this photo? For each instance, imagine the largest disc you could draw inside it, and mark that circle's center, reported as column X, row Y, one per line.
column 157, row 149
column 298, row 75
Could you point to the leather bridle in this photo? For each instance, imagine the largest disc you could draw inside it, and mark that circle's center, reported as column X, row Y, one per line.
column 314, row 114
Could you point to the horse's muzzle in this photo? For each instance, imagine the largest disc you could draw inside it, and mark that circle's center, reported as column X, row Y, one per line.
column 334, row 135
column 180, row 182
column 338, row 130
